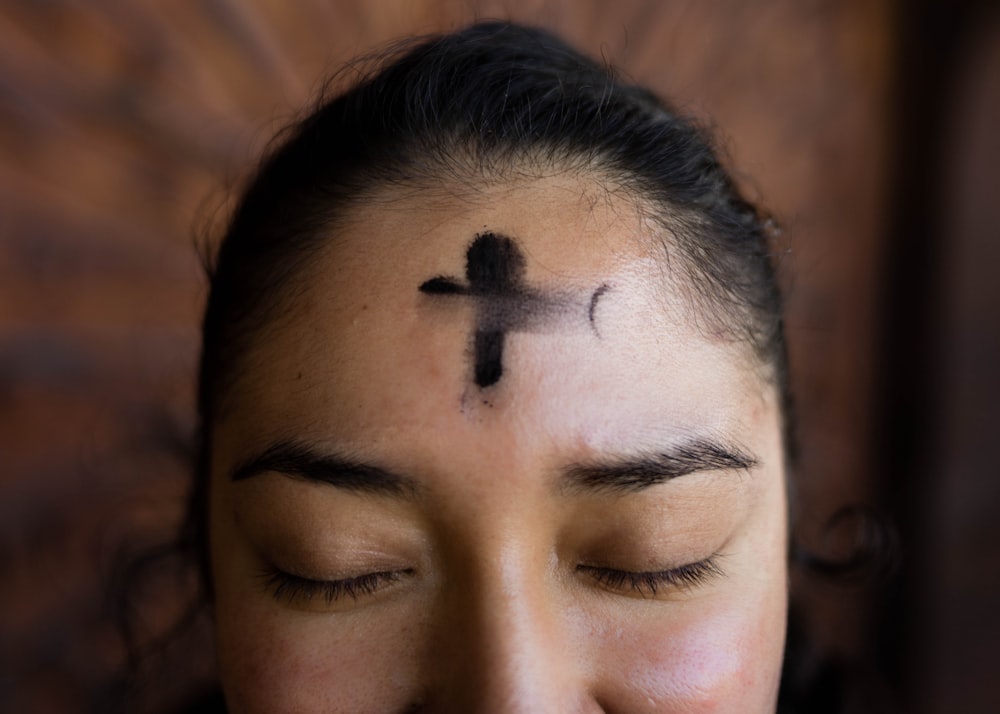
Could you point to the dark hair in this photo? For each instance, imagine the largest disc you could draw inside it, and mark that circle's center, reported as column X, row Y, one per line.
column 487, row 103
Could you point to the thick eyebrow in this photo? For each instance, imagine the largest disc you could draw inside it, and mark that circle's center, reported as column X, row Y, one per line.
column 300, row 461
column 629, row 474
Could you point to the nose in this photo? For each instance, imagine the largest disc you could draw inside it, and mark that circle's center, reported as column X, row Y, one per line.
column 505, row 644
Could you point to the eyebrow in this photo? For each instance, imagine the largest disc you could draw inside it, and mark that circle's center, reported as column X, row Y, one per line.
column 632, row 474
column 299, row 461
column 624, row 475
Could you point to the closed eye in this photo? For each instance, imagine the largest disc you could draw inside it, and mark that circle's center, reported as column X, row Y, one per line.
column 294, row 589
column 650, row 583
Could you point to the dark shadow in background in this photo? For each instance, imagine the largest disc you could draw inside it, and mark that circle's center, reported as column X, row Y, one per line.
column 939, row 351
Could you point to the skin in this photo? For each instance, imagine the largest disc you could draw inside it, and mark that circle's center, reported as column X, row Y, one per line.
column 494, row 606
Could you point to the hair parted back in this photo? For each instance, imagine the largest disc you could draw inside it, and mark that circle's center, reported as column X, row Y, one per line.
column 490, row 102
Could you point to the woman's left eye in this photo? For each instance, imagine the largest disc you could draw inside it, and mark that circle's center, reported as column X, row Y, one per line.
column 286, row 587
column 649, row 583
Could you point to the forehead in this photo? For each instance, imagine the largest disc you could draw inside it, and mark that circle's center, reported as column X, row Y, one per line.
column 598, row 339
column 569, row 228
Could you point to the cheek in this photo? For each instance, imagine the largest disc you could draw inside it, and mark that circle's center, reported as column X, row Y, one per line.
column 291, row 662
column 725, row 661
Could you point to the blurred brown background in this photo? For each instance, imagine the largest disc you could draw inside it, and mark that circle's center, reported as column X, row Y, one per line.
column 868, row 127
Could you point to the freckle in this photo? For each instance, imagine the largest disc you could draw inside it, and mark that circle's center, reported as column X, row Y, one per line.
column 364, row 307
column 299, row 376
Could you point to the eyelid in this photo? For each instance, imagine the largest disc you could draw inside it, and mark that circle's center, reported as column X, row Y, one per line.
column 296, row 589
column 651, row 583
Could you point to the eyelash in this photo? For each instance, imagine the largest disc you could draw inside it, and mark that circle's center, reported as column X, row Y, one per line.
column 291, row 588
column 648, row 584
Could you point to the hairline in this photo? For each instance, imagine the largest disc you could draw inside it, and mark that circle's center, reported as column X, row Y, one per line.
column 451, row 182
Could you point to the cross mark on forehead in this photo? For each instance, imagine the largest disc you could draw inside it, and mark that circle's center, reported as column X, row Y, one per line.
column 504, row 302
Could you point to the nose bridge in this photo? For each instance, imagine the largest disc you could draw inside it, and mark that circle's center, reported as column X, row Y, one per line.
column 505, row 642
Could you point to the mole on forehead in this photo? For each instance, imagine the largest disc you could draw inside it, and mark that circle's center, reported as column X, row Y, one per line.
column 495, row 280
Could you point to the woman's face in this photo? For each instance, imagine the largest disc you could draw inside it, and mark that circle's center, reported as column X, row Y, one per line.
column 488, row 459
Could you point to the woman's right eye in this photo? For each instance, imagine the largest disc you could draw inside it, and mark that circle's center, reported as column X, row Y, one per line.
column 295, row 589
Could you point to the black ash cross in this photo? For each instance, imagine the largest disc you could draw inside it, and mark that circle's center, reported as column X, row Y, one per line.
column 494, row 268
